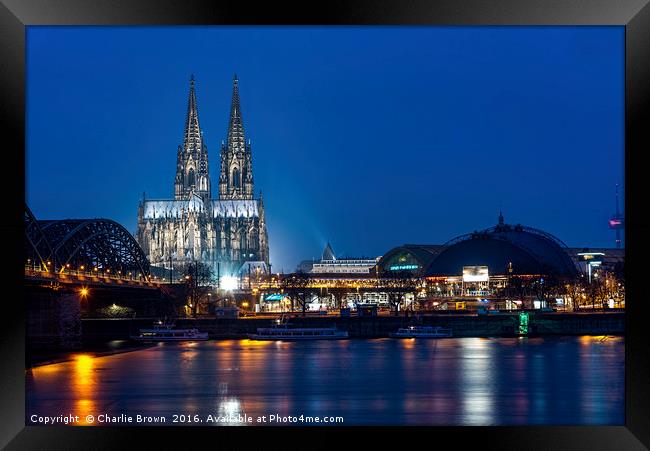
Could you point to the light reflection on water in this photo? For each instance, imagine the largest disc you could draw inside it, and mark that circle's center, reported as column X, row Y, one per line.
column 477, row 376
column 456, row 381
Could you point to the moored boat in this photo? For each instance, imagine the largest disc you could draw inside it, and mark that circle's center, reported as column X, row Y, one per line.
column 167, row 332
column 302, row 333
column 283, row 331
column 421, row 332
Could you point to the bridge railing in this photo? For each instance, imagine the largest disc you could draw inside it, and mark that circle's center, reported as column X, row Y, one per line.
column 93, row 276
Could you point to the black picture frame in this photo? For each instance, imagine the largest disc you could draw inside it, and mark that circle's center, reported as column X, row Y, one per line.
column 634, row 15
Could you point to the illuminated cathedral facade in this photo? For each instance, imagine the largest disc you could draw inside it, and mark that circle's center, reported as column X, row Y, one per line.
column 228, row 232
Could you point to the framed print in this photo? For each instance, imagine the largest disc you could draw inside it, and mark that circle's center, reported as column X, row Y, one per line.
column 384, row 218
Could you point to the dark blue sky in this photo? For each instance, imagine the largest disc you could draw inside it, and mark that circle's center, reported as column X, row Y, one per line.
column 366, row 137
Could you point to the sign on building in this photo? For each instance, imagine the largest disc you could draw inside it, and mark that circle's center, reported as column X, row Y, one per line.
column 475, row 273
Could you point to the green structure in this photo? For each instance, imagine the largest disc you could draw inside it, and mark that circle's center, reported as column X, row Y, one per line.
column 523, row 323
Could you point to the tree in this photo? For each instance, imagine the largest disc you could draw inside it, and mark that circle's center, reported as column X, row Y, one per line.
column 517, row 288
column 597, row 291
column 198, row 278
column 423, row 293
column 545, row 289
column 296, row 286
column 398, row 284
column 575, row 289
column 617, row 283
column 338, row 293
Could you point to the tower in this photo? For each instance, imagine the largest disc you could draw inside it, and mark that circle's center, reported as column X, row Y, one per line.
column 617, row 222
column 236, row 178
column 192, row 173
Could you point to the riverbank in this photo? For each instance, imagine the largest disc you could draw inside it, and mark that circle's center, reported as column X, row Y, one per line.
column 500, row 325
column 102, row 337
column 35, row 358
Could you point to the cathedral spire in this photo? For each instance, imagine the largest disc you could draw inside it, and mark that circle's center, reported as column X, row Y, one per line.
column 192, row 175
column 236, row 178
column 192, row 137
column 236, row 125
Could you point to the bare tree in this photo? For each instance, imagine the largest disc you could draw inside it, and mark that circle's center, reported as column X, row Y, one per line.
column 546, row 288
column 597, row 291
column 198, row 278
column 576, row 290
column 296, row 286
column 616, row 282
column 398, row 284
column 338, row 293
column 517, row 288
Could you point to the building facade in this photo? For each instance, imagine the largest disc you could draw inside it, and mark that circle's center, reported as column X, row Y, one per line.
column 227, row 233
column 329, row 264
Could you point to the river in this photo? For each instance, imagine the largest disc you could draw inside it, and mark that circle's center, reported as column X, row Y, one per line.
column 454, row 381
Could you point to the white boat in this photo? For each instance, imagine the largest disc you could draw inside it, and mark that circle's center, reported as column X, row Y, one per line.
column 283, row 331
column 166, row 332
column 298, row 333
column 421, row 332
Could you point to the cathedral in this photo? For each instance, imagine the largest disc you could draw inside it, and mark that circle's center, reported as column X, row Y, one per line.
column 228, row 233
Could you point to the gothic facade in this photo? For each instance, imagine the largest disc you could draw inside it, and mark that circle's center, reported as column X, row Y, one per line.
column 227, row 233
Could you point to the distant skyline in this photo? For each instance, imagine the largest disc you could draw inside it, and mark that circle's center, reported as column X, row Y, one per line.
column 366, row 137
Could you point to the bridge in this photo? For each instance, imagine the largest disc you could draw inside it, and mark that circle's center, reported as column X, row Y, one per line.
column 79, row 244
column 76, row 268
column 90, row 278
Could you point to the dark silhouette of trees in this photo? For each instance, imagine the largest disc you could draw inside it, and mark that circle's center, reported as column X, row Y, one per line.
column 198, row 278
column 398, row 284
column 296, row 287
column 546, row 288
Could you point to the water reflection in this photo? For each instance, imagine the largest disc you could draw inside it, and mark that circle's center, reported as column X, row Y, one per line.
column 477, row 378
column 84, row 385
column 463, row 381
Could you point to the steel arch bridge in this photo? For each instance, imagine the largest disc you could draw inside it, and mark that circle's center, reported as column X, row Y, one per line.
column 37, row 247
column 93, row 243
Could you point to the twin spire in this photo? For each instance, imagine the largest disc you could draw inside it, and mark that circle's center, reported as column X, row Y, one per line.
column 236, row 171
column 192, row 139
